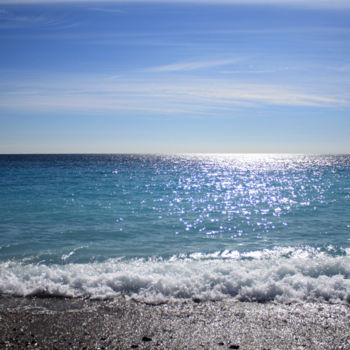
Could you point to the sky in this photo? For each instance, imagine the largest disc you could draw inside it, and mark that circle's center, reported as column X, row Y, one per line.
column 261, row 76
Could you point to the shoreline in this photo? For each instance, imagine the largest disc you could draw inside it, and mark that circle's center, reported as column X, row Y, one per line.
column 61, row 323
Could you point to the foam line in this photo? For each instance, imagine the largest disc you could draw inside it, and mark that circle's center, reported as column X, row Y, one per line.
column 277, row 275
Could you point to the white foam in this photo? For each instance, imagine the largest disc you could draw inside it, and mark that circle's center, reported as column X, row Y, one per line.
column 281, row 275
column 64, row 257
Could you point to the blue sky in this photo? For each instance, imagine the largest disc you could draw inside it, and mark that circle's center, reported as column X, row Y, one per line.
column 175, row 76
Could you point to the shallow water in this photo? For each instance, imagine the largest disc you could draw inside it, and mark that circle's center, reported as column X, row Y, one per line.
column 252, row 227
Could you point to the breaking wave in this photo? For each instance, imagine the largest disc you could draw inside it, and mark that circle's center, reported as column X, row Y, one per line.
column 280, row 275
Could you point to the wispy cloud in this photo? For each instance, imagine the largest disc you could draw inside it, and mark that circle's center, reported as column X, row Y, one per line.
column 256, row 70
column 342, row 69
column 194, row 65
column 192, row 97
column 337, row 4
column 106, row 9
column 10, row 19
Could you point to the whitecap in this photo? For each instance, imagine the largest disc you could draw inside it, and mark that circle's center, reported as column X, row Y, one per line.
column 281, row 275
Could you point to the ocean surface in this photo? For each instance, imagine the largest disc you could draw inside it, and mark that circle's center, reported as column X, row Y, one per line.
column 155, row 227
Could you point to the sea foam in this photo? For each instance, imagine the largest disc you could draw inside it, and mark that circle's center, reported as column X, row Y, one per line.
column 280, row 275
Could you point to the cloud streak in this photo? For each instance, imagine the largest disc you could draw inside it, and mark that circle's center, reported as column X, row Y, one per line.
column 337, row 4
column 199, row 97
column 189, row 66
column 11, row 20
column 106, row 10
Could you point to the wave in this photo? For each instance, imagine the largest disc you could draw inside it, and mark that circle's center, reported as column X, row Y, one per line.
column 280, row 275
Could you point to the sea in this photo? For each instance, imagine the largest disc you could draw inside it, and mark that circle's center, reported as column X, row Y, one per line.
column 249, row 227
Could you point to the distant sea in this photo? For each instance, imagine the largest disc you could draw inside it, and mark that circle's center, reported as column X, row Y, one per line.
column 251, row 227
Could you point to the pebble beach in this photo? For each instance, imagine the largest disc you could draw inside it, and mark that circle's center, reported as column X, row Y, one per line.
column 60, row 323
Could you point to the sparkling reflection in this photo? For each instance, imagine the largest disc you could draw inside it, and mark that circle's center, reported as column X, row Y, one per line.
column 156, row 205
column 240, row 197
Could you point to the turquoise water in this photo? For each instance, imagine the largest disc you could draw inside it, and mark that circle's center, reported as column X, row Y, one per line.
column 252, row 227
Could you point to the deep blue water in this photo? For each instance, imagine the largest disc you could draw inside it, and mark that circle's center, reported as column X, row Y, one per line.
column 253, row 227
